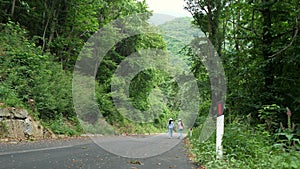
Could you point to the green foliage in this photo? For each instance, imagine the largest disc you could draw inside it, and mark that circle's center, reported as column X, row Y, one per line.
column 56, row 31
column 138, row 128
column 260, row 55
column 60, row 125
column 146, row 87
column 62, row 27
column 288, row 138
column 243, row 147
column 204, row 152
column 8, row 96
column 35, row 59
column 27, row 73
column 177, row 34
column 269, row 116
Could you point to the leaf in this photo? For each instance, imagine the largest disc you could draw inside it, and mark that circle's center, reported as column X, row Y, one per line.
column 136, row 162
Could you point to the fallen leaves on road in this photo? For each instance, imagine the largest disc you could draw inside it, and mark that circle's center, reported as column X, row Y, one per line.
column 201, row 167
column 136, row 162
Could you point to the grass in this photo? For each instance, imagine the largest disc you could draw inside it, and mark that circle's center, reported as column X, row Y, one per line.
column 244, row 147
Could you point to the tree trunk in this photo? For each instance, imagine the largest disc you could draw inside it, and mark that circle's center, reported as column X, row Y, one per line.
column 209, row 22
column 266, row 51
column 13, row 8
column 46, row 25
column 53, row 25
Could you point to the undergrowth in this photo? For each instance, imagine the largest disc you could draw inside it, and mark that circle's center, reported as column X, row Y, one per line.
column 244, row 146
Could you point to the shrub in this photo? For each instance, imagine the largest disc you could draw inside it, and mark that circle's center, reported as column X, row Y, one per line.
column 244, row 147
column 29, row 73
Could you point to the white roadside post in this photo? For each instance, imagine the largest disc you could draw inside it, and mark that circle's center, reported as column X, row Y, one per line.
column 191, row 132
column 220, row 131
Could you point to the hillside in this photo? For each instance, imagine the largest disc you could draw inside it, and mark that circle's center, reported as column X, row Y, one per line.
column 158, row 19
column 178, row 33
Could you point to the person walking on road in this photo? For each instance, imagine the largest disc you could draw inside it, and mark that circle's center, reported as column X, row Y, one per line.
column 170, row 127
column 180, row 128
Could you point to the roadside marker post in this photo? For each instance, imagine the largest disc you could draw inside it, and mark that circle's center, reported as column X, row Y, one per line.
column 191, row 132
column 220, row 130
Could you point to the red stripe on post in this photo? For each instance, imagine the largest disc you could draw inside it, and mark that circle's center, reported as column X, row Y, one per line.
column 220, row 110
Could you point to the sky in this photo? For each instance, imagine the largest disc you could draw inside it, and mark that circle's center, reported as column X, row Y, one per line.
column 170, row 7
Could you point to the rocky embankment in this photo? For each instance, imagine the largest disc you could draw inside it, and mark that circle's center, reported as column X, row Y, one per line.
column 16, row 123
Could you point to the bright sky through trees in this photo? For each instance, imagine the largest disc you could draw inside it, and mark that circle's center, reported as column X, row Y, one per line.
column 170, row 7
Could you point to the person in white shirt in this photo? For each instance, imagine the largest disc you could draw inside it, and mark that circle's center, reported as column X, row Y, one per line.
column 170, row 127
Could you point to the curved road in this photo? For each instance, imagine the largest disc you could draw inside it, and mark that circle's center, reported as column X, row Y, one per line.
column 119, row 152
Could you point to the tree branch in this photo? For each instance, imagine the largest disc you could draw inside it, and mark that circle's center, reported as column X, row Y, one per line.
column 248, row 29
column 294, row 37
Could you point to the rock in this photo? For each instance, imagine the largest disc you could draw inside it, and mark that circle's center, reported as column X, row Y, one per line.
column 15, row 128
column 38, row 129
column 20, row 125
column 20, row 113
column 4, row 140
column 4, row 113
column 13, row 113
column 28, row 128
column 48, row 133
column 61, row 136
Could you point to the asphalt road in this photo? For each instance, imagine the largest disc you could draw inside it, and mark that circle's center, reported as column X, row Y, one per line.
column 151, row 152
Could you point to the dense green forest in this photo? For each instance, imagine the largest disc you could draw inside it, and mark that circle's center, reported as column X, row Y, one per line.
column 257, row 42
column 39, row 47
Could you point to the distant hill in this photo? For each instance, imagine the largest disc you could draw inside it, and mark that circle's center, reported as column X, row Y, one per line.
column 180, row 28
column 158, row 19
column 178, row 33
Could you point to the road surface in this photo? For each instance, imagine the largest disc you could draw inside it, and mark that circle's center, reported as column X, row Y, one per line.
column 150, row 152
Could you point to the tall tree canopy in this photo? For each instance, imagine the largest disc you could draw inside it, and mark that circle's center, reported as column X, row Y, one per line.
column 58, row 30
column 258, row 42
column 62, row 27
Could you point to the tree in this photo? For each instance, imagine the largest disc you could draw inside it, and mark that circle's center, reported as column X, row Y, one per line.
column 258, row 45
column 206, row 14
